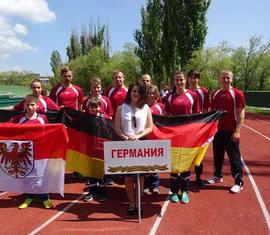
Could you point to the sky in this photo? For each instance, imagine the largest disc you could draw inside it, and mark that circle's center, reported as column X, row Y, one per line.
column 31, row 29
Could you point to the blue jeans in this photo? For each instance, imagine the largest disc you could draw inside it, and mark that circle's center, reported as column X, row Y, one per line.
column 151, row 181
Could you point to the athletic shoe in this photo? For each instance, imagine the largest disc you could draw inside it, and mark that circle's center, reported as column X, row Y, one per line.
column 184, row 198
column 146, row 191
column 109, row 181
column 214, row 180
column 155, row 190
column 131, row 210
column 102, row 198
column 47, row 204
column 26, row 203
column 88, row 197
column 200, row 183
column 174, row 198
column 236, row 188
column 87, row 183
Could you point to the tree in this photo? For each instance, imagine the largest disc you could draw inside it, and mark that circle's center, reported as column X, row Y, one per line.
column 149, row 41
column 74, row 48
column 56, row 61
column 94, row 36
column 190, row 27
column 171, row 31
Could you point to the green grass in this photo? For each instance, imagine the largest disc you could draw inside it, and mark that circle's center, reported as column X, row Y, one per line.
column 252, row 109
column 15, row 90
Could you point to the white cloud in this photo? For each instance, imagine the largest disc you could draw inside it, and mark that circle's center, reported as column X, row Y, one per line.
column 9, row 42
column 36, row 11
column 21, row 29
column 8, row 67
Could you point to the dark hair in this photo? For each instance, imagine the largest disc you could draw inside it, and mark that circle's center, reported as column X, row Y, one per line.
column 30, row 98
column 142, row 92
column 44, row 91
column 195, row 72
column 172, row 81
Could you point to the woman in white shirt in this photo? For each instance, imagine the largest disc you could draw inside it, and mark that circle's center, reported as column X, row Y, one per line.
column 133, row 121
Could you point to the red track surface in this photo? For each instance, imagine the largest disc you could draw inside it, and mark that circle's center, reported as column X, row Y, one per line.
column 212, row 210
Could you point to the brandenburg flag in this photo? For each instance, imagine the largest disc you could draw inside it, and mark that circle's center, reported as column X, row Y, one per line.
column 32, row 158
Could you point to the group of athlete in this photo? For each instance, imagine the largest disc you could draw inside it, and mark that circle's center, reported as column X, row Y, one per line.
column 132, row 108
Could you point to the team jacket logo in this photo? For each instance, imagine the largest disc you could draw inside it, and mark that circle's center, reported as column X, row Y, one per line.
column 16, row 158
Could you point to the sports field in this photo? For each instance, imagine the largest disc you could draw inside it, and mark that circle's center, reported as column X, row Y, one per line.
column 14, row 90
column 212, row 210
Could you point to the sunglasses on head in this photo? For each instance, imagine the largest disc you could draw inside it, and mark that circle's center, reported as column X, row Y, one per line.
column 134, row 121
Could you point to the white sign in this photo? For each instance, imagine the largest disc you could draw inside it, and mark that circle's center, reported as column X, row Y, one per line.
column 131, row 157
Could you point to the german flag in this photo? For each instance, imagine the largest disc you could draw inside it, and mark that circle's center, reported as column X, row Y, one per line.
column 85, row 149
column 190, row 137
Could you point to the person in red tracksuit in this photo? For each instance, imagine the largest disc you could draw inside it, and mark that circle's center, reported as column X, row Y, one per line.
column 66, row 94
column 203, row 97
column 180, row 101
column 151, row 181
column 32, row 117
column 232, row 101
column 44, row 102
column 117, row 93
column 99, row 106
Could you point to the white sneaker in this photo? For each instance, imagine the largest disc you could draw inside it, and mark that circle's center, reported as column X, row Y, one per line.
column 215, row 179
column 236, row 188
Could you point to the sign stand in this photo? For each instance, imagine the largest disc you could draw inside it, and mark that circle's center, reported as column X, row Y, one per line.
column 139, row 197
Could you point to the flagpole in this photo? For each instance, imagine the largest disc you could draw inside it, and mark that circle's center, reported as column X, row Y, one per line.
column 139, row 197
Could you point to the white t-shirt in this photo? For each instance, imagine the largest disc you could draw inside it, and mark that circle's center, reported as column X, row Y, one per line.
column 127, row 122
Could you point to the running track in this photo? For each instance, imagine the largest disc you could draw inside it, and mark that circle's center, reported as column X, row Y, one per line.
column 212, row 210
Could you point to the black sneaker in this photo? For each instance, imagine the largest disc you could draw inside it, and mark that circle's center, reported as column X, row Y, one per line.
column 102, row 198
column 109, row 181
column 88, row 197
column 131, row 210
column 200, row 183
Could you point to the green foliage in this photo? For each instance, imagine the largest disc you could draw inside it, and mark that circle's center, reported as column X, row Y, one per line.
column 149, row 40
column 88, row 66
column 171, row 30
column 96, row 64
column 56, row 61
column 94, row 36
column 250, row 65
column 17, row 78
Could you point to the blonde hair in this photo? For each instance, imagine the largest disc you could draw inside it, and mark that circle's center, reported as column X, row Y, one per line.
column 227, row 72
column 154, row 88
column 95, row 80
column 115, row 72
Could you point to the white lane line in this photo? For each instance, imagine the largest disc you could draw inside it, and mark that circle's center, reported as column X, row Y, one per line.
column 56, row 215
column 257, row 132
column 160, row 216
column 2, row 193
column 258, row 194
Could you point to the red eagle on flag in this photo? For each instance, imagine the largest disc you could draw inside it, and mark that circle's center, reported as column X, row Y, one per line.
column 16, row 158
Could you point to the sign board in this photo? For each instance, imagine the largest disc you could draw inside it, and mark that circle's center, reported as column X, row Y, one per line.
column 132, row 157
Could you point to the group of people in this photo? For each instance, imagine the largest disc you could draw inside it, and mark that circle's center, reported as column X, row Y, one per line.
column 131, row 108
